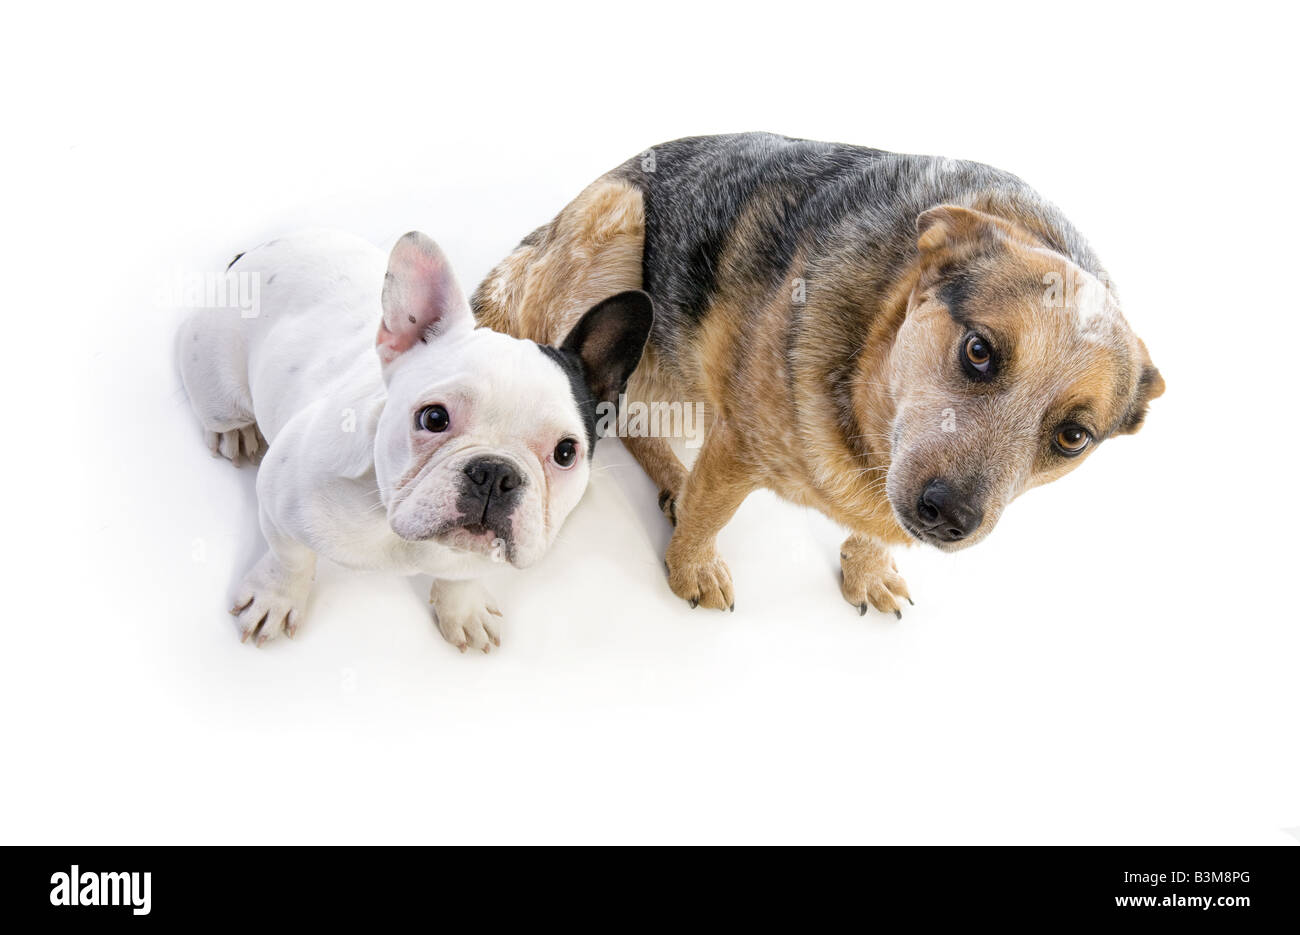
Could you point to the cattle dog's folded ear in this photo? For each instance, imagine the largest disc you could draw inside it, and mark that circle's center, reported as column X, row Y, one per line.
column 1149, row 385
column 609, row 340
column 953, row 227
column 948, row 236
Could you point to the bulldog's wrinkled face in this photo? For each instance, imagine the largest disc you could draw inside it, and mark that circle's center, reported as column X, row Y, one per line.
column 482, row 446
column 484, row 443
column 1011, row 367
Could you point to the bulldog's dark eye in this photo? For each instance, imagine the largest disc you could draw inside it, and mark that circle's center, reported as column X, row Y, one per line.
column 1071, row 439
column 977, row 355
column 433, row 419
column 565, row 452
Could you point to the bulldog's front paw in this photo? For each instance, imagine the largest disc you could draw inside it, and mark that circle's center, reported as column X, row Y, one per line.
column 466, row 615
column 869, row 576
column 700, row 577
column 270, row 601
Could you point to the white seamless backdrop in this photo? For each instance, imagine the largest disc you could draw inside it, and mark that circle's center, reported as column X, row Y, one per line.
column 1117, row 663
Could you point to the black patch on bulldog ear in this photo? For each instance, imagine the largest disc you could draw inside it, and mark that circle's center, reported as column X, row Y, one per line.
column 600, row 353
column 571, row 364
column 609, row 340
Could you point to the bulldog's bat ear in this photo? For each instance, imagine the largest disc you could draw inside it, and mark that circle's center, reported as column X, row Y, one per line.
column 421, row 297
column 609, row 340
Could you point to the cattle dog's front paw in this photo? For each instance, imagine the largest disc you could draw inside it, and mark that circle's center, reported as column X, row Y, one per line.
column 869, row 576
column 700, row 578
column 466, row 615
column 270, row 601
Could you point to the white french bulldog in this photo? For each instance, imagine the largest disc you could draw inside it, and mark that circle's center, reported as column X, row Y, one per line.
column 436, row 448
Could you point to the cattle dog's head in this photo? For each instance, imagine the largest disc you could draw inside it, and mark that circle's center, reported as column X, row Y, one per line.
column 1011, row 365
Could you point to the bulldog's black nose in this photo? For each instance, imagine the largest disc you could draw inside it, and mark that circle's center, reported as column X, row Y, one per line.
column 946, row 515
column 492, row 476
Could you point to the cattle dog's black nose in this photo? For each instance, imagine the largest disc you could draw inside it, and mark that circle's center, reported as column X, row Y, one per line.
column 491, row 477
column 946, row 515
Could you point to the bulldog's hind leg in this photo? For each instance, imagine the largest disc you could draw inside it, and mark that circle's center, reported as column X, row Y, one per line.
column 213, row 361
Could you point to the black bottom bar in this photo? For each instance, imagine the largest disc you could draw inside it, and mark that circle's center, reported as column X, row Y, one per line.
column 1223, row 887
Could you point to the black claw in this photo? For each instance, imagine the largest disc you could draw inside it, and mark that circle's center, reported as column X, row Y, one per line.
column 668, row 505
column 898, row 614
column 912, row 602
column 732, row 608
column 862, row 610
column 694, row 602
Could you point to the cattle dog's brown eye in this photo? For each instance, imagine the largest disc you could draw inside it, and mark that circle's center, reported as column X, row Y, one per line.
column 1071, row 439
column 977, row 356
column 433, row 419
column 565, row 452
